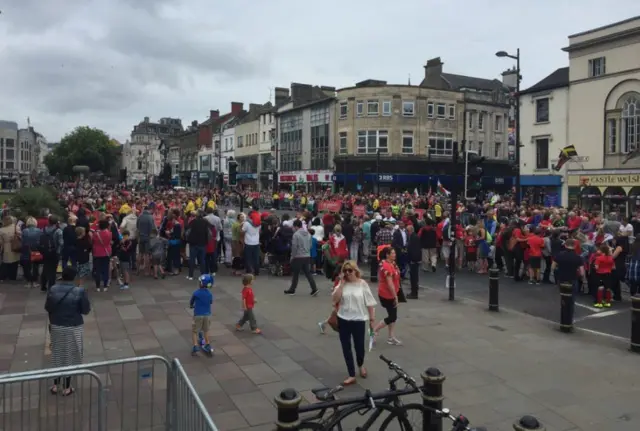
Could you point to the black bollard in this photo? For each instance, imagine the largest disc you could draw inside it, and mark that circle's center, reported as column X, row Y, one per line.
column 635, row 324
column 566, row 307
column 528, row 423
column 373, row 265
column 494, row 286
column 287, row 403
column 432, row 380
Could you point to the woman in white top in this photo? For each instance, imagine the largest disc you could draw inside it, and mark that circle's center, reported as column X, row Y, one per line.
column 355, row 306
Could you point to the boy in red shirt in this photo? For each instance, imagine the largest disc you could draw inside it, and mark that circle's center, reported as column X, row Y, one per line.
column 471, row 249
column 248, row 302
column 536, row 245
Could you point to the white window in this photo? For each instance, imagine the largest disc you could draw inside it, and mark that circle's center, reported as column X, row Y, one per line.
column 597, row 67
column 480, row 120
column 430, row 110
column 408, row 108
column 407, row 142
column 470, row 119
column 498, row 123
column 542, row 110
column 386, row 108
column 542, row 153
column 370, row 141
column 360, row 108
column 497, row 150
column 343, row 143
column 343, row 110
column 440, row 144
column 452, row 112
column 372, row 107
column 441, row 110
column 612, row 130
column 630, row 127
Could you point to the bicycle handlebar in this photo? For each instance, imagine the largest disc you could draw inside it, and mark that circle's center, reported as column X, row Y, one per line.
column 400, row 372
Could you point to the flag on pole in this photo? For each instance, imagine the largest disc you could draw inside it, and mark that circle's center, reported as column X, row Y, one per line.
column 442, row 190
column 631, row 155
column 566, row 154
column 415, row 192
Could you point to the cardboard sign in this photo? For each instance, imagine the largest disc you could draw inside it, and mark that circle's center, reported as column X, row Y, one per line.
column 331, row 206
column 359, row 210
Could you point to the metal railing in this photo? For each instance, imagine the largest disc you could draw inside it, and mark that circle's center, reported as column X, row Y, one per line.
column 146, row 392
column 188, row 411
column 28, row 404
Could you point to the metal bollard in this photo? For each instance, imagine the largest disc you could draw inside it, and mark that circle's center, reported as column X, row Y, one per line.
column 287, row 403
column 373, row 265
column 635, row 324
column 494, row 286
column 528, row 423
column 432, row 380
column 566, row 307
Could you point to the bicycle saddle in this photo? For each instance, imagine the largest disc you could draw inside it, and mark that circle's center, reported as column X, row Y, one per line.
column 325, row 394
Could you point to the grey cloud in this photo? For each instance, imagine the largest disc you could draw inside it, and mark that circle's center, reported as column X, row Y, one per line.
column 36, row 16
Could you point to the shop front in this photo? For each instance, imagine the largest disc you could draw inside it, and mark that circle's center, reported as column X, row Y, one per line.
column 307, row 181
column 247, row 181
column 543, row 190
column 265, row 180
column 605, row 190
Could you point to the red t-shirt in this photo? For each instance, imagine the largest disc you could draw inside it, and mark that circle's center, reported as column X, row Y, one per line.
column 604, row 264
column 248, row 298
column 388, row 270
column 536, row 245
column 517, row 233
column 470, row 244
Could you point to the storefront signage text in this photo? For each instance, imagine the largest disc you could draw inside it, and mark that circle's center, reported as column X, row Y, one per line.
column 610, row 180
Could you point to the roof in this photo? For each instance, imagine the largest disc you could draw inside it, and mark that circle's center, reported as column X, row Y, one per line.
column 457, row 82
column 604, row 27
column 557, row 79
column 254, row 114
column 317, row 96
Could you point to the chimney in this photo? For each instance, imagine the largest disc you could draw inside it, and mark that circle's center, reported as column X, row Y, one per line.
column 146, row 119
column 194, row 123
column 236, row 107
column 254, row 107
column 329, row 91
column 301, row 92
column 282, row 94
column 510, row 78
column 433, row 72
column 214, row 115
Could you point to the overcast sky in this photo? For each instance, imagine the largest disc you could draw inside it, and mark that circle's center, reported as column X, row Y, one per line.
column 109, row 63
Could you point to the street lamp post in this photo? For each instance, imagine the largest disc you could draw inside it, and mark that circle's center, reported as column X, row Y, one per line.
column 516, row 57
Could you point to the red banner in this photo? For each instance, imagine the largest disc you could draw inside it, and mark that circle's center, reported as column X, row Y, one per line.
column 359, row 210
column 419, row 212
column 331, row 206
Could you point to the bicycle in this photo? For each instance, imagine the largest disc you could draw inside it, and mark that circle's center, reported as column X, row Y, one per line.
column 380, row 403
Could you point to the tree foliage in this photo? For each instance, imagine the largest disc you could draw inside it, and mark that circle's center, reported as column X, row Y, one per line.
column 32, row 201
column 83, row 146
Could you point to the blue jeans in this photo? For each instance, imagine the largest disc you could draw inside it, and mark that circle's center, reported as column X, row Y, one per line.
column 69, row 254
column 101, row 270
column 197, row 252
column 252, row 259
column 173, row 258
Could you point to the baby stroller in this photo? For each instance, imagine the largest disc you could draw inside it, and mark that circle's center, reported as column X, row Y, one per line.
column 279, row 264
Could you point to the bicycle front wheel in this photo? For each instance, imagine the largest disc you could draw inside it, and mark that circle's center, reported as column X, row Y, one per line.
column 406, row 418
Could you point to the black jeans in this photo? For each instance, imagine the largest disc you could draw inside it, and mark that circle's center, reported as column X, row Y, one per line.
column 48, row 276
column 302, row 264
column 31, row 270
column 414, row 276
column 352, row 329
column 9, row 271
column 252, row 259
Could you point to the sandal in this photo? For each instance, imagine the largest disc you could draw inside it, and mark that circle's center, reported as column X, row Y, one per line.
column 349, row 381
column 363, row 372
column 67, row 392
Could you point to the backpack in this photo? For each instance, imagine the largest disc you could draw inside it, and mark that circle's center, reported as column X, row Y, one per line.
column 47, row 245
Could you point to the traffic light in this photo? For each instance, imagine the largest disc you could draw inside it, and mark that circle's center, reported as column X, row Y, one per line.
column 276, row 186
column 233, row 172
column 474, row 173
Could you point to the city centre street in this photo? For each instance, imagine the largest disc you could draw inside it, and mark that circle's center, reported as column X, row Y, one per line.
column 499, row 366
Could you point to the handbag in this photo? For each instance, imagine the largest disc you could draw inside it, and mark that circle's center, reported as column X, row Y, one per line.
column 333, row 320
column 16, row 242
column 35, row 256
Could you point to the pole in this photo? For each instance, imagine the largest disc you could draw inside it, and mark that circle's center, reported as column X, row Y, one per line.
column 378, row 172
column 518, row 186
column 466, row 158
column 346, row 173
column 452, row 226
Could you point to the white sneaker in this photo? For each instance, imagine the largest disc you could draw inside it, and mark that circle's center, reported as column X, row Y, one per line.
column 321, row 325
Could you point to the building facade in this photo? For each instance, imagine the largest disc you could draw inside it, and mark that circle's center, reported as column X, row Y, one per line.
column 604, row 117
column 305, row 122
column 266, row 148
column 247, row 150
column 544, row 132
column 141, row 156
column 8, row 149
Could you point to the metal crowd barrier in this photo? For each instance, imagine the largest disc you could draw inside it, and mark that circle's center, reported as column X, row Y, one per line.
column 143, row 393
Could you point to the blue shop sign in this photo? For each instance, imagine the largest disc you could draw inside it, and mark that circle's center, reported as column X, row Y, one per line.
column 387, row 178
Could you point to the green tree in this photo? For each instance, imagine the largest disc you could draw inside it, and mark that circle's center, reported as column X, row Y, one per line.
column 32, row 201
column 83, row 146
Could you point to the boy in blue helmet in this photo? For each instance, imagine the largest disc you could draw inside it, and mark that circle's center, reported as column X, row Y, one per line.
column 201, row 302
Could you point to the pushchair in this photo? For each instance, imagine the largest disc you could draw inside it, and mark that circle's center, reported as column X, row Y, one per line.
column 279, row 264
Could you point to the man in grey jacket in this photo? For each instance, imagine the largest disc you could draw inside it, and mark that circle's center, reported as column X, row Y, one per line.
column 301, row 258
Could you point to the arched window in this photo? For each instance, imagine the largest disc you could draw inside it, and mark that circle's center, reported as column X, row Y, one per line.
column 630, row 124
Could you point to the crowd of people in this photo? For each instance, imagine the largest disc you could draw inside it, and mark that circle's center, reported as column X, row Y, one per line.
column 115, row 236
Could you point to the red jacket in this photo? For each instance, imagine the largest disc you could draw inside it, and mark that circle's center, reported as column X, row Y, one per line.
column 338, row 250
column 213, row 243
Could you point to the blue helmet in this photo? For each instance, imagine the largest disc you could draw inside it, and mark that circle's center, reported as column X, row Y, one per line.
column 206, row 280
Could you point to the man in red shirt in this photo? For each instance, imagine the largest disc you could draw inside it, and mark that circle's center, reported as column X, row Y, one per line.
column 536, row 245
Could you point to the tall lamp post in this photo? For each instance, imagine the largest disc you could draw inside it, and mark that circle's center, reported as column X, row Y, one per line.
column 516, row 57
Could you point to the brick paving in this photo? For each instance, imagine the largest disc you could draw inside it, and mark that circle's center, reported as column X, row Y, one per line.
column 498, row 366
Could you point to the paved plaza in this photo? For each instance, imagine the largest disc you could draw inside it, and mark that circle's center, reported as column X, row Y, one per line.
column 499, row 366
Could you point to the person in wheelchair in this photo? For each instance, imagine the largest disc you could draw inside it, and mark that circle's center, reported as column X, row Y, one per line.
column 280, row 250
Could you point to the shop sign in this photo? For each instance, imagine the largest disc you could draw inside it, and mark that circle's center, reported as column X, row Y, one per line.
column 605, row 180
column 286, row 178
column 498, row 180
column 305, row 177
column 386, row 178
